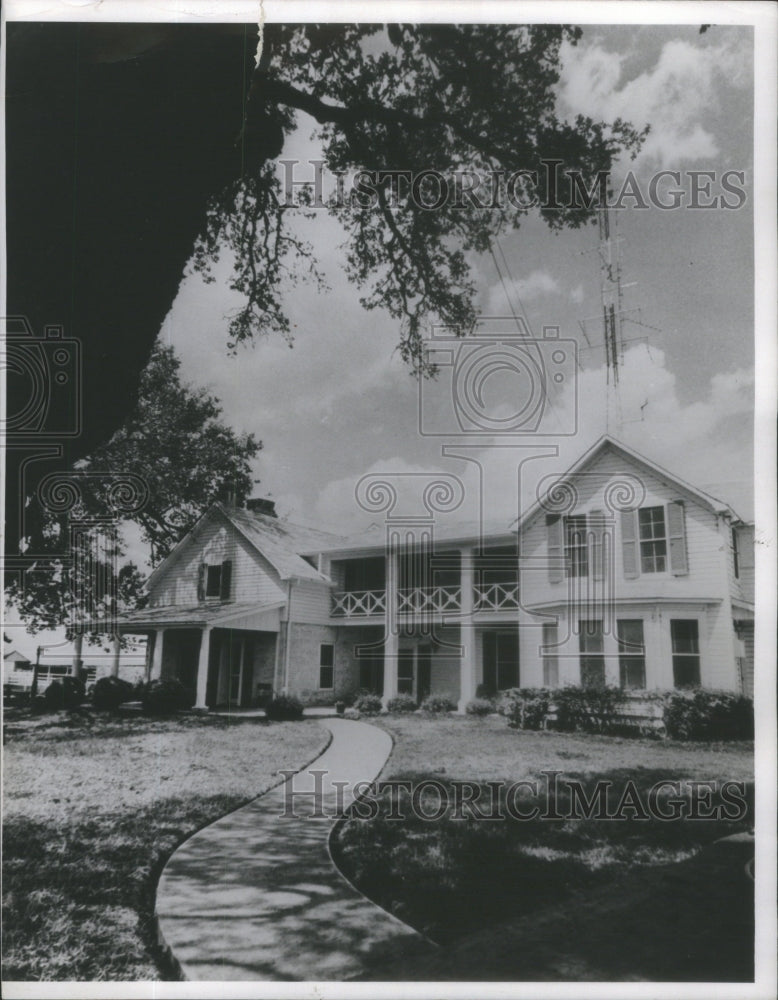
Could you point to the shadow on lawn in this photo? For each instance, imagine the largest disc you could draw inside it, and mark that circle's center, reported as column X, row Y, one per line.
column 78, row 896
column 562, row 899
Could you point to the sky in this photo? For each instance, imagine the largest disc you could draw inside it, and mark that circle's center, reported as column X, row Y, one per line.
column 340, row 403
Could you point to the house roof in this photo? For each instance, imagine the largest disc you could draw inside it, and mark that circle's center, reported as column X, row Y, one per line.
column 15, row 657
column 192, row 614
column 460, row 531
column 607, row 443
column 282, row 543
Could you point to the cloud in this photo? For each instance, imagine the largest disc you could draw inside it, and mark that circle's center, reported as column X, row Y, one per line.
column 674, row 96
column 706, row 442
column 535, row 285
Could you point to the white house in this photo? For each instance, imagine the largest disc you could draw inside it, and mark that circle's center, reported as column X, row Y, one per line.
column 620, row 573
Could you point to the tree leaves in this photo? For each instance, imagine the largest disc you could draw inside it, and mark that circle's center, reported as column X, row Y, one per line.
column 411, row 98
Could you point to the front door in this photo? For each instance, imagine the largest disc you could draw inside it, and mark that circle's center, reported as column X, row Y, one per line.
column 501, row 661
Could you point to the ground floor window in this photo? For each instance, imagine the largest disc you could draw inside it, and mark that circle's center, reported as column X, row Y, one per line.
column 590, row 644
column 550, row 656
column 501, row 661
column 326, row 665
column 632, row 653
column 684, row 634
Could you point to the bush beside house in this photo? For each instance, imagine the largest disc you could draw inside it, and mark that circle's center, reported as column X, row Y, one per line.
column 436, row 704
column 682, row 715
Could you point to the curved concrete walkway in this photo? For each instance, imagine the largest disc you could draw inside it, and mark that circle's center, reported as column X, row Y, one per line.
column 255, row 895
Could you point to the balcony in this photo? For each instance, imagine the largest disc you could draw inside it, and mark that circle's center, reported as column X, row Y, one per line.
column 490, row 597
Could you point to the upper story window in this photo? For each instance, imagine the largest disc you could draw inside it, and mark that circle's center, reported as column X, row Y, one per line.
column 214, row 581
column 653, row 539
column 576, row 546
column 735, row 554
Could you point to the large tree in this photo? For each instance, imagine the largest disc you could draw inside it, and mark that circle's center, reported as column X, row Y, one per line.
column 130, row 144
column 160, row 471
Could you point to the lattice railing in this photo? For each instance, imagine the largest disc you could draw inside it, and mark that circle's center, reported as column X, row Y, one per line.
column 425, row 600
column 359, row 603
column 428, row 600
column 496, row 597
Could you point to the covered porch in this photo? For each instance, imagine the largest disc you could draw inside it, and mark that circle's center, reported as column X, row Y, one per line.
column 224, row 655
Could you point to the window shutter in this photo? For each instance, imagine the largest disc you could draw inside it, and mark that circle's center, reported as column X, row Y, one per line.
column 556, row 569
column 596, row 532
column 629, row 544
column 201, row 582
column 676, row 531
column 226, row 580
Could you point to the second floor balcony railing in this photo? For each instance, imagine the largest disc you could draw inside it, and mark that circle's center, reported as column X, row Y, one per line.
column 425, row 600
column 428, row 600
column 358, row 603
column 496, row 596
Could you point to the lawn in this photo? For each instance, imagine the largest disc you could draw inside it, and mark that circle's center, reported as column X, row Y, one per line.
column 93, row 807
column 594, row 899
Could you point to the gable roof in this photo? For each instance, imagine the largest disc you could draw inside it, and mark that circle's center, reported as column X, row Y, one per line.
column 16, row 657
column 280, row 542
column 607, row 443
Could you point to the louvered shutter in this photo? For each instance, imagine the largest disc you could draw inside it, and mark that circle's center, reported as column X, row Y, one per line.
column 226, row 580
column 629, row 543
column 201, row 570
column 676, row 531
column 556, row 569
column 596, row 532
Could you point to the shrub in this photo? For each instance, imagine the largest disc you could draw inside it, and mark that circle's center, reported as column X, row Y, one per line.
column 401, row 703
column 708, row 715
column 110, row 692
column 368, row 704
column 351, row 713
column 525, row 708
column 165, row 697
column 75, row 692
column 53, row 697
column 588, row 709
column 435, row 704
column 480, row 706
column 284, row 708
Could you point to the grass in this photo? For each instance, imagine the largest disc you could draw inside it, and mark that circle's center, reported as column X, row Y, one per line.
column 93, row 806
column 637, row 899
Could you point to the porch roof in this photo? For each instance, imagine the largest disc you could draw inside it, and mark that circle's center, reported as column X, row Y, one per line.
column 248, row 613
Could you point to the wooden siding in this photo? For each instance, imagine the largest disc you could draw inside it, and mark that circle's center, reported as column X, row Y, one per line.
column 253, row 578
column 311, row 602
column 718, row 668
column 706, row 577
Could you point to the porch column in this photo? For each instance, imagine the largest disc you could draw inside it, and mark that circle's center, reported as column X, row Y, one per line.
column 467, row 664
column 391, row 637
column 78, row 641
column 202, row 667
column 156, row 662
column 116, row 653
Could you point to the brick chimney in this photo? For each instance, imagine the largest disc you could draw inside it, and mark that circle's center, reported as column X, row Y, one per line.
column 259, row 505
